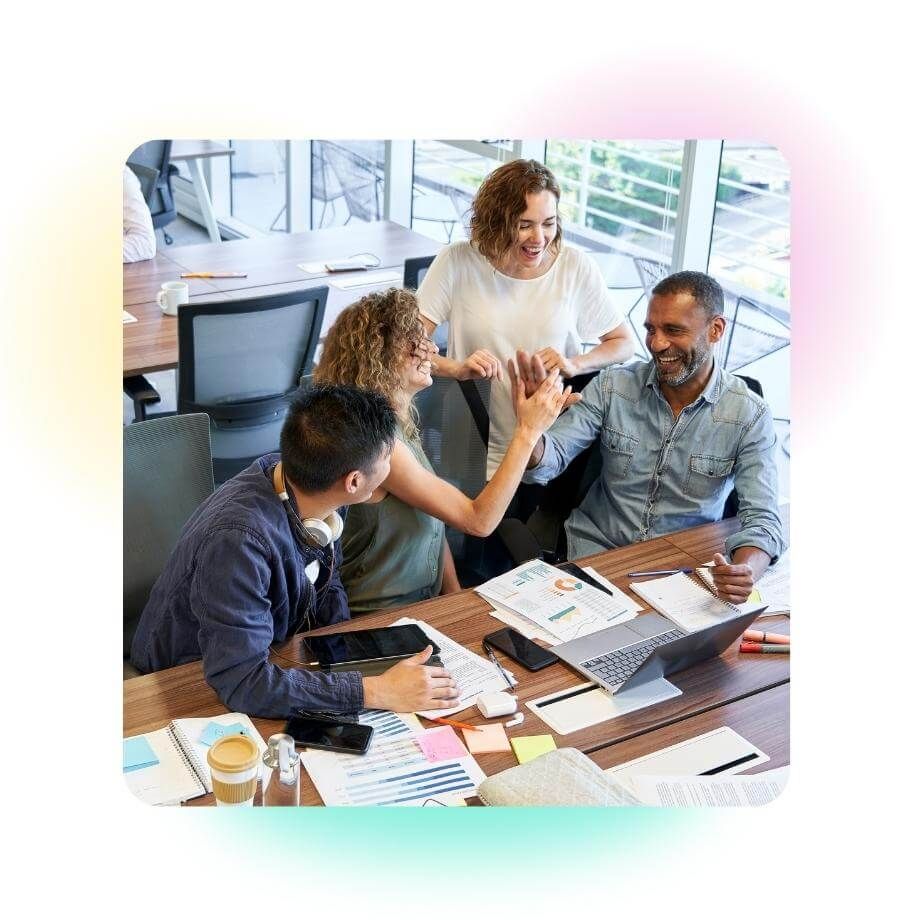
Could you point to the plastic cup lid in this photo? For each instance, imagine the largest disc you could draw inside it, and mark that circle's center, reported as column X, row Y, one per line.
column 233, row 754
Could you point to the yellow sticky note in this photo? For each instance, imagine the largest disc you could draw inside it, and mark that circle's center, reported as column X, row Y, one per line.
column 489, row 739
column 530, row 746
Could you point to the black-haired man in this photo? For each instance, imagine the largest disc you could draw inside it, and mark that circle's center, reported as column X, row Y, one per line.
column 259, row 561
column 676, row 434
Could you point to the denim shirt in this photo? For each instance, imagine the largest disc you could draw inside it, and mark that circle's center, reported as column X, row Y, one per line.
column 662, row 473
column 236, row 583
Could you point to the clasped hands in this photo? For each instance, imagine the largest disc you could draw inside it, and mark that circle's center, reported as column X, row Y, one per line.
column 482, row 363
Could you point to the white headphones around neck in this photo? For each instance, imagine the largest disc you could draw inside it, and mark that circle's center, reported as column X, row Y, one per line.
column 314, row 532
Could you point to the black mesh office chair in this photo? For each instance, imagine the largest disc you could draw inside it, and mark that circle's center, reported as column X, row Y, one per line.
column 543, row 534
column 166, row 476
column 154, row 155
column 240, row 362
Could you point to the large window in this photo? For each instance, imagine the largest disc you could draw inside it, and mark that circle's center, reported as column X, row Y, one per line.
column 619, row 195
column 347, row 179
column 257, row 184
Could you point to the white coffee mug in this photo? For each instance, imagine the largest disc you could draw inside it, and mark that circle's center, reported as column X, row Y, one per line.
column 171, row 296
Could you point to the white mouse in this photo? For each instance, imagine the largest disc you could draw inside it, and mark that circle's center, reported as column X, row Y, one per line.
column 495, row 704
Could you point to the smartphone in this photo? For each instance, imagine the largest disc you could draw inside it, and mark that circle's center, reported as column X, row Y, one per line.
column 346, row 265
column 520, row 649
column 330, row 735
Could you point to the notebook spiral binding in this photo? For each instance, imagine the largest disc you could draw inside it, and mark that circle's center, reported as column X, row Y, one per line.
column 711, row 588
column 195, row 766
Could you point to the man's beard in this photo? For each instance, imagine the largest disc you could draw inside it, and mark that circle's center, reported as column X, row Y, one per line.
column 685, row 367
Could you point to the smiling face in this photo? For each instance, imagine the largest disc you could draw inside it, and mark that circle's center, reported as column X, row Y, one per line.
column 416, row 369
column 530, row 255
column 681, row 338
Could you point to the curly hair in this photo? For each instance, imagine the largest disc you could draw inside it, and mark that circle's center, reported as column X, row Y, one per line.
column 502, row 199
column 367, row 345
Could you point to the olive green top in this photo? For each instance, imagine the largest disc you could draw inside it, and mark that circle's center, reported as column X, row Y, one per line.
column 393, row 554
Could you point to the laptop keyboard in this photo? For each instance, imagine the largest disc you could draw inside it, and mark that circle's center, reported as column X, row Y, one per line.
column 616, row 667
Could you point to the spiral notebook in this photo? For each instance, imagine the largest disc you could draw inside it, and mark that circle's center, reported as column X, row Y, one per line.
column 684, row 601
column 176, row 766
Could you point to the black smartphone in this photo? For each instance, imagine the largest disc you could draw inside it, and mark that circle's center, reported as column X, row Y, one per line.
column 520, row 649
column 581, row 574
column 330, row 735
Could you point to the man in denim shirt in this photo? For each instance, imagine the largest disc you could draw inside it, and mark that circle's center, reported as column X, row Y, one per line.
column 677, row 432
column 251, row 569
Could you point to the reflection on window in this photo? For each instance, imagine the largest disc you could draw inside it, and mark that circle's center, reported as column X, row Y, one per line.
column 444, row 181
column 257, row 184
column 619, row 196
column 347, row 180
column 750, row 234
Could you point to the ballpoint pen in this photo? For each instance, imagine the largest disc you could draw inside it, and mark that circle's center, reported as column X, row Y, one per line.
column 501, row 670
column 660, row 572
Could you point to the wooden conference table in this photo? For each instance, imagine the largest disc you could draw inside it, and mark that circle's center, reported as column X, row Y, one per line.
column 271, row 264
column 749, row 693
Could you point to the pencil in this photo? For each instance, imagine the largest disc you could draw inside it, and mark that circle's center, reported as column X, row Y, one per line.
column 214, row 275
column 466, row 725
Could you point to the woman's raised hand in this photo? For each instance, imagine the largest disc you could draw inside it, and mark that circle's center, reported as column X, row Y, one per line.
column 536, row 412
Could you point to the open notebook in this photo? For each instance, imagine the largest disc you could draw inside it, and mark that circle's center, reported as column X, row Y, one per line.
column 181, row 771
column 684, row 601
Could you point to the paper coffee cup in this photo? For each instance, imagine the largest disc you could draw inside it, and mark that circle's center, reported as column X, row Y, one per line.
column 171, row 296
column 234, row 761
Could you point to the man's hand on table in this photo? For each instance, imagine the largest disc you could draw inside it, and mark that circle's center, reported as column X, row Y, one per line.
column 411, row 686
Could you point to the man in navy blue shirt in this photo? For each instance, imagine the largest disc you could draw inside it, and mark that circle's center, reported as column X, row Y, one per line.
column 259, row 561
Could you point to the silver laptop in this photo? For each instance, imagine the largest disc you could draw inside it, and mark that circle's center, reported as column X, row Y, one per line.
column 648, row 647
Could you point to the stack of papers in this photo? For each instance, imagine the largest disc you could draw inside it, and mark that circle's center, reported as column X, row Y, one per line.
column 558, row 604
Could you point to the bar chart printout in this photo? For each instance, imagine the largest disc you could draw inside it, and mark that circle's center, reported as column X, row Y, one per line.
column 393, row 772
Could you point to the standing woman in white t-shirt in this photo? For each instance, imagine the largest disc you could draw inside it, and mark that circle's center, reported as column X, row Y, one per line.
column 515, row 286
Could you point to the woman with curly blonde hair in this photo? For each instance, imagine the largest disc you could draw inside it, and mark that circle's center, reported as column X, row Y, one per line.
column 394, row 547
column 514, row 286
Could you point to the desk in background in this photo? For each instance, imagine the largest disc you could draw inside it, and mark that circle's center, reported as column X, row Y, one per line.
column 151, row 344
column 709, row 689
column 194, row 153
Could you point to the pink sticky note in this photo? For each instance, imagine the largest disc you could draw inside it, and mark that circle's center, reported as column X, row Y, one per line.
column 441, row 744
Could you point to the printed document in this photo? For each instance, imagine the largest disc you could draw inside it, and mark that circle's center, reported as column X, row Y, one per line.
column 414, row 769
column 711, row 791
column 552, row 599
column 473, row 673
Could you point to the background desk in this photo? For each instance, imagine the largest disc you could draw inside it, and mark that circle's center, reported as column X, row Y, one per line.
column 194, row 153
column 708, row 689
column 151, row 344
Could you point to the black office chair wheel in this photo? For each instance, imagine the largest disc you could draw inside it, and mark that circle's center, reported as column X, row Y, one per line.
column 167, row 238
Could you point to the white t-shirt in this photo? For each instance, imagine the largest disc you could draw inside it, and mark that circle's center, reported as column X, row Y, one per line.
column 567, row 306
column 139, row 240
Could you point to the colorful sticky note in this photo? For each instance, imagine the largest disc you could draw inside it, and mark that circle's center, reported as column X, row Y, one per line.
column 214, row 730
column 138, row 754
column 489, row 739
column 441, row 744
column 528, row 747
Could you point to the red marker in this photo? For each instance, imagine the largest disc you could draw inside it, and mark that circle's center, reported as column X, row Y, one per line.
column 756, row 635
column 764, row 649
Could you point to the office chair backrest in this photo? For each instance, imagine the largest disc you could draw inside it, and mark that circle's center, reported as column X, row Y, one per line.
column 241, row 361
column 730, row 509
column 414, row 273
column 159, row 198
column 166, row 476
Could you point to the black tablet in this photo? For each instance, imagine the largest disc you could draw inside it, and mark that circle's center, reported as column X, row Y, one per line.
column 391, row 642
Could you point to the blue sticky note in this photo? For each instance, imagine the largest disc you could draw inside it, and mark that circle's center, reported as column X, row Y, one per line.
column 138, row 754
column 214, row 730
